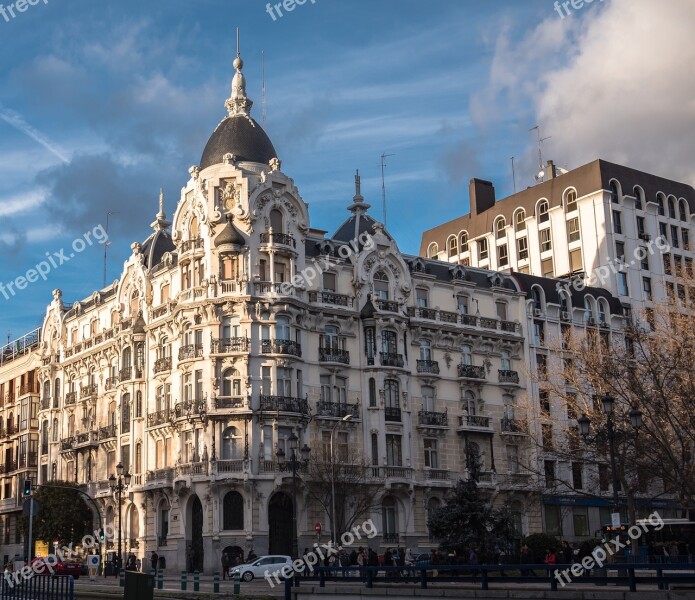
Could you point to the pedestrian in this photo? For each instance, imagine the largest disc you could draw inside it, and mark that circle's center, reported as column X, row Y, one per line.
column 473, row 560
column 410, row 562
column 567, row 553
column 373, row 561
column 225, row 565
column 154, row 559
column 190, row 557
column 550, row 557
column 251, row 556
column 130, row 563
column 526, row 559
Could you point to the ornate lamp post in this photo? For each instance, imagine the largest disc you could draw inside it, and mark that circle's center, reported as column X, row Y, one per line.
column 293, row 465
column 608, row 405
column 119, row 484
column 345, row 419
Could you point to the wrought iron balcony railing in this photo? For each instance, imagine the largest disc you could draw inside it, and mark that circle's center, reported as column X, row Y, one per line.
column 471, row 371
column 334, row 355
column 428, row 366
column 331, row 298
column 437, row 419
column 390, row 359
column 230, row 345
column 285, row 404
column 278, row 346
column 337, row 409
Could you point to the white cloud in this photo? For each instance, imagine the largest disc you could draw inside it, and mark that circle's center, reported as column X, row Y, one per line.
column 18, row 204
column 610, row 81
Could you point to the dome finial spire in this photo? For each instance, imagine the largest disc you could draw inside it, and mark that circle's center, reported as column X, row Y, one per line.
column 238, row 103
column 160, row 221
column 358, row 186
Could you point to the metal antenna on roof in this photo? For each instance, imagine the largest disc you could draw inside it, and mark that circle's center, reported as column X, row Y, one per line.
column 263, row 101
column 513, row 176
column 107, row 243
column 541, row 174
column 383, row 183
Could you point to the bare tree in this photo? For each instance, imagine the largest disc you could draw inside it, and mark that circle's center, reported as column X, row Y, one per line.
column 358, row 490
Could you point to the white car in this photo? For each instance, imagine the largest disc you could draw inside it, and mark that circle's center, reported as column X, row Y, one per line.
column 270, row 563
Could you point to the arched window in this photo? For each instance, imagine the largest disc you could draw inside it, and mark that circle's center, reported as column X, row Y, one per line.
column 231, row 444
column 671, row 209
column 615, row 196
column 571, row 201
column 47, row 389
column 381, row 285
column 231, row 383
column 682, row 210
column 134, row 303
column 470, row 404
column 44, row 437
column 126, row 358
column 638, row 197
column 372, row 391
column 71, row 425
column 276, row 221
column 392, row 394
column 520, row 220
column 660, row 204
column 466, row 355
column 425, row 350
column 463, row 242
column 282, row 328
column 193, row 229
column 233, row 511
column 433, row 250
column 137, row 467
column 452, row 245
column 499, row 228
column 389, row 515
column 537, row 297
column 543, row 211
column 602, row 312
column 588, row 309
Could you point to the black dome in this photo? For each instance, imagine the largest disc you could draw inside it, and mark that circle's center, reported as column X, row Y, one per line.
column 241, row 136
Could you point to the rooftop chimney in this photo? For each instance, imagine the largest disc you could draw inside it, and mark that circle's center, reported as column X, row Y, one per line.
column 482, row 195
column 550, row 172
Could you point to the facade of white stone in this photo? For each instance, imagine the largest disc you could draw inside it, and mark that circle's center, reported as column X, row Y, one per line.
column 243, row 327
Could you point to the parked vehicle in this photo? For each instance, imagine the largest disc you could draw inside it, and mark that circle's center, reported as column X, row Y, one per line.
column 63, row 567
column 259, row 566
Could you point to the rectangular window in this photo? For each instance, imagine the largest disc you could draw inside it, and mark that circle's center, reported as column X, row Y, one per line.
column 580, row 520
column 522, row 248
column 573, row 230
column 576, row 263
column 645, row 258
column 553, row 520
column 604, row 478
column 389, row 342
column 617, row 222
column 547, row 435
column 329, row 282
column 501, row 310
column 325, row 388
column 394, row 455
column 503, row 255
column 547, row 267
column 512, row 458
column 431, row 456
column 667, row 264
column 663, row 231
column 640, row 226
column 375, row 449
column 549, row 469
column 462, row 304
column 284, row 382
column 675, row 238
column 421, row 297
column 689, row 267
column 577, row 479
column 623, row 289
column 542, row 366
column 620, row 251
column 539, row 333
column 544, row 399
column 685, row 236
column 647, row 287
column 571, row 406
column 546, row 243
column 266, row 381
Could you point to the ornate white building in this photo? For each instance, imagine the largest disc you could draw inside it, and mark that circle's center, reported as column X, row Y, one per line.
column 237, row 326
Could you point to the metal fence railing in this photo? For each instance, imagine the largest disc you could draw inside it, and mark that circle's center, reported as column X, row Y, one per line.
column 37, row 587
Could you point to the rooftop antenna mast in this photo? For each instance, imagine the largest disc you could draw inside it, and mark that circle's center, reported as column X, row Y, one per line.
column 513, row 176
column 263, row 103
column 383, row 183
column 107, row 243
column 541, row 174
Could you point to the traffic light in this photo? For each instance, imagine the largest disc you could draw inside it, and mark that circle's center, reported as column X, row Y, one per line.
column 101, row 535
column 27, row 487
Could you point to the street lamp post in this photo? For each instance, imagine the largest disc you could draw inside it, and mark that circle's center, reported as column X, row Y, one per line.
column 293, row 465
column 345, row 419
column 608, row 405
column 119, row 484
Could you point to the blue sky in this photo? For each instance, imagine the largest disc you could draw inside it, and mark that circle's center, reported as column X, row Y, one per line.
column 101, row 104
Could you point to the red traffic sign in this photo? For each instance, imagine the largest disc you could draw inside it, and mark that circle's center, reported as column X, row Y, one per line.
column 317, row 527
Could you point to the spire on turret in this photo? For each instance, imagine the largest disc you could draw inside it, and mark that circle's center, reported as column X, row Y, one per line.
column 238, row 103
column 160, row 223
column 358, row 205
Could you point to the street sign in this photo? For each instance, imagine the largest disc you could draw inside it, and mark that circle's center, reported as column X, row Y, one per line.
column 93, row 561
column 26, row 507
column 615, row 520
column 317, row 528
